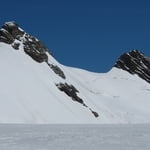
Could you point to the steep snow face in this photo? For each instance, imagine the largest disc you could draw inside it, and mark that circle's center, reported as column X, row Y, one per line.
column 35, row 88
column 29, row 93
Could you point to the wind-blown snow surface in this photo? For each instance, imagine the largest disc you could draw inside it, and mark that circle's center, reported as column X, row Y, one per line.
column 74, row 137
column 28, row 93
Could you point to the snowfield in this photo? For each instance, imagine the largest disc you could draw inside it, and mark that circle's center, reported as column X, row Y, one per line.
column 75, row 137
column 28, row 93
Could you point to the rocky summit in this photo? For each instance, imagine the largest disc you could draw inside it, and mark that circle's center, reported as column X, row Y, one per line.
column 12, row 34
column 135, row 62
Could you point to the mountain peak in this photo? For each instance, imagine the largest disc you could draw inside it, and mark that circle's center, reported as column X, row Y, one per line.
column 9, row 32
column 135, row 62
column 12, row 34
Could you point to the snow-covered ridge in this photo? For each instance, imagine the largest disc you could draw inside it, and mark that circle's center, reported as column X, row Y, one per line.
column 35, row 88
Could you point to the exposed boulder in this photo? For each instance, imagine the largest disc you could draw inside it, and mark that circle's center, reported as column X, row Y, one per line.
column 94, row 113
column 13, row 29
column 16, row 45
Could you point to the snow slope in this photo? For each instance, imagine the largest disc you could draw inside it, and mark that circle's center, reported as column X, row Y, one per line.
column 28, row 93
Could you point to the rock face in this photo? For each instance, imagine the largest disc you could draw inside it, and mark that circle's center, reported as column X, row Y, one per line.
column 135, row 63
column 35, row 49
column 9, row 32
column 71, row 91
column 57, row 70
column 12, row 34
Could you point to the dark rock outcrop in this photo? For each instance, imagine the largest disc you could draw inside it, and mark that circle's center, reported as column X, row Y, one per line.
column 57, row 70
column 6, row 37
column 11, row 32
column 16, row 45
column 35, row 48
column 13, row 29
column 135, row 62
column 94, row 113
column 71, row 91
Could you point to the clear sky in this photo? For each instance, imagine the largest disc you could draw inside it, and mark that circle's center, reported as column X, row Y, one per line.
column 88, row 34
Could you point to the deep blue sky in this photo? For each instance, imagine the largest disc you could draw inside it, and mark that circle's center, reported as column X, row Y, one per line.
column 87, row 34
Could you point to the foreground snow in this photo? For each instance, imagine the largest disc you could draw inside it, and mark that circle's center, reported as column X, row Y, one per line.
column 29, row 94
column 74, row 137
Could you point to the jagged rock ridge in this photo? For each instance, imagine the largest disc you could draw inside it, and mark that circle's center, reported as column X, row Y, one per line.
column 135, row 62
column 12, row 34
column 71, row 91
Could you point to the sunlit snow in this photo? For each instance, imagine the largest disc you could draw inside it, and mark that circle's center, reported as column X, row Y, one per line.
column 28, row 93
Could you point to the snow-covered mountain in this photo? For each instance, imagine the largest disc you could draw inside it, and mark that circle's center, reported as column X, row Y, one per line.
column 36, row 88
